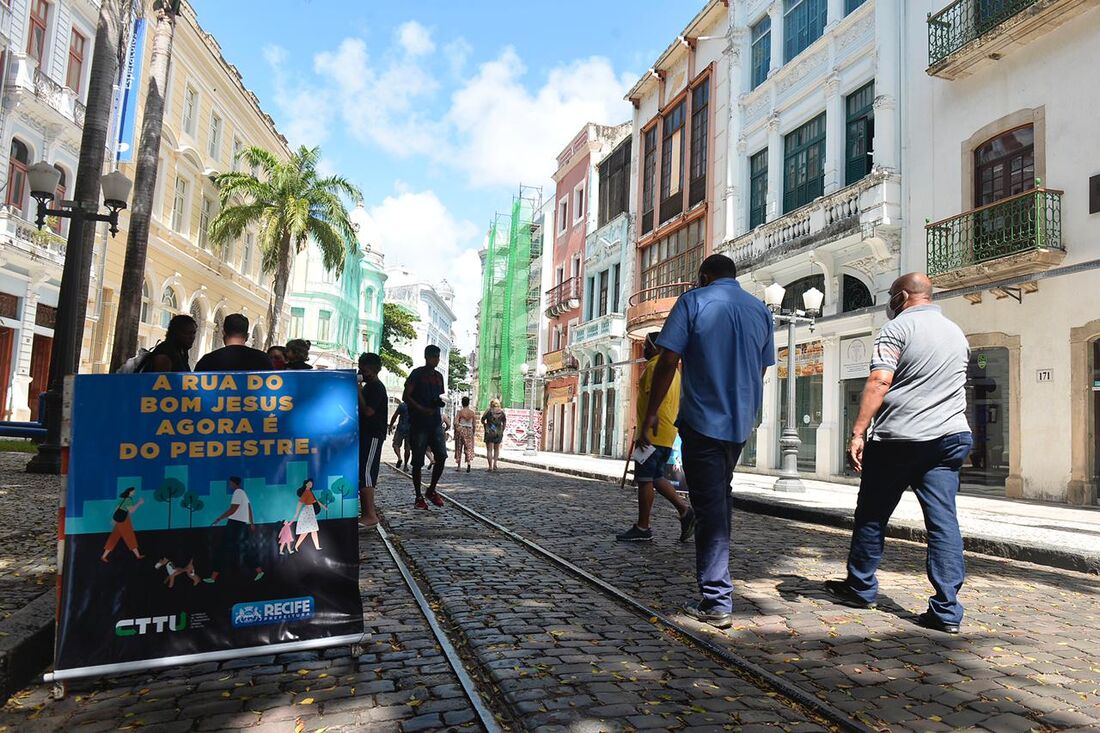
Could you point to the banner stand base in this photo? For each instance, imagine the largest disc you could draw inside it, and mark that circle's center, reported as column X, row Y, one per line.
column 60, row 677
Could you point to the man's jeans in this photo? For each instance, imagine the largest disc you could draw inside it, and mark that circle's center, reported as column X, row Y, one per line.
column 931, row 468
column 708, row 468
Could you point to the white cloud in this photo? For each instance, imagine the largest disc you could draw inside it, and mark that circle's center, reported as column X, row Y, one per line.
column 415, row 39
column 298, row 103
column 457, row 52
column 416, row 230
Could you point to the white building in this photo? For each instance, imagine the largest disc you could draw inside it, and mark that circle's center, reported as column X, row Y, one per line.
column 433, row 306
column 1004, row 161
column 47, row 57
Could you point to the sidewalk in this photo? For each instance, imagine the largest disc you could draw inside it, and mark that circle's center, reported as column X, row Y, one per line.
column 1047, row 534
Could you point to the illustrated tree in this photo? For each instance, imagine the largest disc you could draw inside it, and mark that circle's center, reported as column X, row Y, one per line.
column 171, row 489
column 343, row 489
column 397, row 327
column 290, row 203
column 458, row 371
column 326, row 497
column 192, row 503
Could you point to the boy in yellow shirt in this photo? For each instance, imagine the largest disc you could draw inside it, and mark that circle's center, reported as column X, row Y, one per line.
column 649, row 474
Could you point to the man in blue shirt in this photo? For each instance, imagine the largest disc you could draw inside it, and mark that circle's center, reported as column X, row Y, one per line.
column 726, row 341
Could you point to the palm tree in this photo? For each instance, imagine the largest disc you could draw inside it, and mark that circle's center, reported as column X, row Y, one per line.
column 292, row 204
column 148, row 155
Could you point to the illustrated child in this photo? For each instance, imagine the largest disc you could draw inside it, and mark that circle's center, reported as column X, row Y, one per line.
column 173, row 571
column 286, row 538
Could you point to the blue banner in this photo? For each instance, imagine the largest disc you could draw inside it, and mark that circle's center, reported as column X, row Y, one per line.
column 207, row 512
column 130, row 90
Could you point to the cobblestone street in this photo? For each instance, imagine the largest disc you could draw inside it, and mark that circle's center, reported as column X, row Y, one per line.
column 28, row 533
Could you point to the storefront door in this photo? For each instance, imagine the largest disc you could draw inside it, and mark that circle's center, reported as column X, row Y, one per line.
column 988, row 393
column 807, row 412
column 851, row 391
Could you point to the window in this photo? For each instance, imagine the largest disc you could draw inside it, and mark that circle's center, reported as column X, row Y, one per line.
column 1004, row 166
column 758, row 189
column 236, row 164
column 804, row 164
column 146, row 302
column 169, row 306
column 700, row 130
column 190, row 103
column 649, row 172
column 36, row 36
column 179, row 201
column 17, row 173
column 672, row 163
column 214, row 146
column 328, row 277
column 578, row 203
column 850, row 5
column 761, row 51
column 616, row 289
column 324, row 325
column 856, row 295
column 860, row 133
column 803, row 23
column 603, row 278
column 246, row 256
column 204, row 221
column 589, row 289
column 563, row 215
column 672, row 259
column 792, row 298
column 297, row 322
column 76, row 61
column 59, row 195
column 615, row 183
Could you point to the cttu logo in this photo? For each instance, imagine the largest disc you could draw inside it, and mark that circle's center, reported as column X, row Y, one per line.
column 154, row 624
column 259, row 613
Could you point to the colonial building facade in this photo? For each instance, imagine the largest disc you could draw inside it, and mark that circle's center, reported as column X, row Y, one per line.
column 433, row 306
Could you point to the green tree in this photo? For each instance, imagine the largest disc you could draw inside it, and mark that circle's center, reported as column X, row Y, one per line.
column 291, row 204
column 458, row 371
column 172, row 488
column 192, row 503
column 397, row 327
column 343, row 489
column 326, row 497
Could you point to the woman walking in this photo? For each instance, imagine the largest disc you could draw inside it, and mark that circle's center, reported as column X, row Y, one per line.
column 464, row 435
column 494, row 421
column 123, row 528
column 305, row 517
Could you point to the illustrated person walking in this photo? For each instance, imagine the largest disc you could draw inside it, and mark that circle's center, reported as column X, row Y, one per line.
column 464, row 435
column 911, row 431
column 373, row 403
column 236, row 543
column 305, row 517
column 122, row 528
column 236, row 355
column 724, row 337
column 494, row 421
column 650, row 473
column 171, row 354
column 424, row 396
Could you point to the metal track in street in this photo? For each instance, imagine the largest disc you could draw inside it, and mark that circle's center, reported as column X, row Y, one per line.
column 469, row 687
column 760, row 676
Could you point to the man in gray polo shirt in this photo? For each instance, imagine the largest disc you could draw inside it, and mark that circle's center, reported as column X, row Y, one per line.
column 916, row 396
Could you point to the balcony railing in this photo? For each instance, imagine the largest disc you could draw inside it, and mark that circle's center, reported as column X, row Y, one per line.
column 1030, row 222
column 25, row 235
column 25, row 76
column 563, row 297
column 670, row 273
column 965, row 20
column 612, row 325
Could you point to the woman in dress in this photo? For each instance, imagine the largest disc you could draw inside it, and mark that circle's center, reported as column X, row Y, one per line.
column 123, row 528
column 305, row 517
column 494, row 421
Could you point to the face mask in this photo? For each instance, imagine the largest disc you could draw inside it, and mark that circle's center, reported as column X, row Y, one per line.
column 893, row 310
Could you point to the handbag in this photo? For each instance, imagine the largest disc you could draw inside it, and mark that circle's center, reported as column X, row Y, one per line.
column 120, row 514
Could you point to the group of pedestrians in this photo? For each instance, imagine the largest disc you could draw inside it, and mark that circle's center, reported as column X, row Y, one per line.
column 911, row 432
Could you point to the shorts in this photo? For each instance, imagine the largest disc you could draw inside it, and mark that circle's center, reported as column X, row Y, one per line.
column 399, row 437
column 422, row 439
column 653, row 467
column 370, row 456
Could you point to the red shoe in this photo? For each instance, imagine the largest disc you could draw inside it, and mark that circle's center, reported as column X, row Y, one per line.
column 435, row 498
column 421, row 504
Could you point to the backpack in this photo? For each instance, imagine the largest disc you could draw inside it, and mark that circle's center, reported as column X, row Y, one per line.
column 134, row 364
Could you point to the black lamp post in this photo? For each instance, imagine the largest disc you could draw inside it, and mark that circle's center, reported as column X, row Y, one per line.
column 68, row 332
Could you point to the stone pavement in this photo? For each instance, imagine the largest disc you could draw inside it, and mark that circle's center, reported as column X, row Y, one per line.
column 1049, row 534
column 1026, row 659
column 401, row 683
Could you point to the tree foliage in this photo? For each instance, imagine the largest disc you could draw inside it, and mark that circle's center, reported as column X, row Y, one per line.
column 458, row 372
column 397, row 328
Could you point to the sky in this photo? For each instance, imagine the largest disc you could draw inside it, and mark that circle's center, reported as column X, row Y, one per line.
column 439, row 109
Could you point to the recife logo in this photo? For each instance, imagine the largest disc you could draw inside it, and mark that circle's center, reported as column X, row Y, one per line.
column 150, row 625
column 259, row 613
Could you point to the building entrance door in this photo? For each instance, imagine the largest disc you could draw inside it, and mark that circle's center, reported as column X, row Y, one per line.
column 40, row 371
column 1095, row 442
column 851, row 391
column 807, row 413
column 7, row 338
column 988, row 393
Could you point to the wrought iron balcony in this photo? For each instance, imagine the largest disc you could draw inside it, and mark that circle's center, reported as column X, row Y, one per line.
column 647, row 309
column 563, row 297
column 1016, row 236
column 968, row 33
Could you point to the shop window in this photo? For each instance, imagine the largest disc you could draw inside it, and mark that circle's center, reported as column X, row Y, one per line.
column 804, row 164
column 856, row 295
column 988, row 400
column 808, row 388
column 860, row 133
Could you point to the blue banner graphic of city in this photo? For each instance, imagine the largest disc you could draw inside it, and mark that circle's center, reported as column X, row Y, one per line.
column 178, row 439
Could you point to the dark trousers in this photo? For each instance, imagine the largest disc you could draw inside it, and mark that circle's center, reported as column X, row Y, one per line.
column 708, row 467
column 931, row 468
column 370, row 456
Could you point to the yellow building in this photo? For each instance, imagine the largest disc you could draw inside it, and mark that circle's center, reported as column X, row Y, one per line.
column 209, row 116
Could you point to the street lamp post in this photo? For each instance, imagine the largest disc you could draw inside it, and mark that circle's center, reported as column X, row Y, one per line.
column 532, row 448
column 789, row 441
column 43, row 179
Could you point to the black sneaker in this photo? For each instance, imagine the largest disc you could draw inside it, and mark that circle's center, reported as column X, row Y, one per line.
column 930, row 621
column 841, row 591
column 635, row 535
column 687, row 525
column 717, row 619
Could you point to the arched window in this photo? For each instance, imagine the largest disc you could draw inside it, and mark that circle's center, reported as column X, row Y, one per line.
column 17, row 173
column 856, row 295
column 792, row 299
column 59, row 196
column 146, row 302
column 169, row 306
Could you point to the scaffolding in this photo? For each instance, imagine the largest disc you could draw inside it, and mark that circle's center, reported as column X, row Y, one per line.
column 508, row 328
